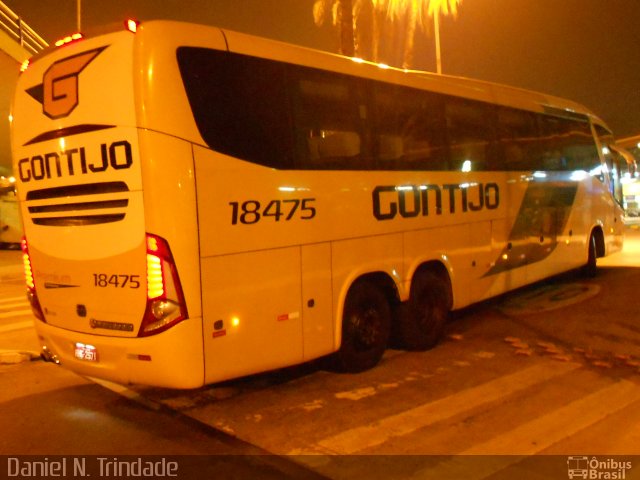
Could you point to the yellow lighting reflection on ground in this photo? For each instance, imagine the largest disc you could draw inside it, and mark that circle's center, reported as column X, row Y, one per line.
column 630, row 255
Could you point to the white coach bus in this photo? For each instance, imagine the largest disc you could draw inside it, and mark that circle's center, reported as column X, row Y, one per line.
column 201, row 204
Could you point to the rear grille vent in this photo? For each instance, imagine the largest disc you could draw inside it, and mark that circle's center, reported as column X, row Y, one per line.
column 53, row 206
column 76, row 190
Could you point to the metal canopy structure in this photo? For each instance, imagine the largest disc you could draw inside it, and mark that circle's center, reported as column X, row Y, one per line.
column 18, row 42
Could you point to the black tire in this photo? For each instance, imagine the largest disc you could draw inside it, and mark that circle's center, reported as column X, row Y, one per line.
column 366, row 324
column 590, row 269
column 421, row 321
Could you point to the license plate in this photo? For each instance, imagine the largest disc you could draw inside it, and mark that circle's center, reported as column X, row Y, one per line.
column 85, row 352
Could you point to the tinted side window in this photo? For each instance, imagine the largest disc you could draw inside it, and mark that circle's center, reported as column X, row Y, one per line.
column 604, row 135
column 568, row 145
column 285, row 116
column 240, row 104
column 519, row 139
column 329, row 120
column 617, row 166
column 410, row 129
column 470, row 126
column 613, row 160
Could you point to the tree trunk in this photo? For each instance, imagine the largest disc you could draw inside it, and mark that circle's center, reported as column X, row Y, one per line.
column 363, row 29
column 409, row 40
column 345, row 22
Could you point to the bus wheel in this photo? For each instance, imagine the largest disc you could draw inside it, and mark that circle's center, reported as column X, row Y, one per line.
column 590, row 268
column 366, row 323
column 421, row 324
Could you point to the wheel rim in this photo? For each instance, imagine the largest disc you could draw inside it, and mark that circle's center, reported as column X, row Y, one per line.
column 365, row 327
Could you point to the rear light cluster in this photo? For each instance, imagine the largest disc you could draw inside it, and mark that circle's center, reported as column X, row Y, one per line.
column 29, row 279
column 165, row 305
column 130, row 24
column 69, row 39
column 165, row 301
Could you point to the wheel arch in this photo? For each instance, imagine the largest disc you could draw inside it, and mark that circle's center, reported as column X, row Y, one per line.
column 382, row 280
column 442, row 270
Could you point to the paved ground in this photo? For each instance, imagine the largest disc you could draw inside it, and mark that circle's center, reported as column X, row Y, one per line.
column 552, row 370
column 10, row 262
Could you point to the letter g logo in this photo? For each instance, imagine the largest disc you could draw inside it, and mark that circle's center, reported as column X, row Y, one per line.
column 59, row 91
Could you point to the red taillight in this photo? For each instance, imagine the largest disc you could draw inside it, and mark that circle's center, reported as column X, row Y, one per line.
column 30, row 281
column 165, row 301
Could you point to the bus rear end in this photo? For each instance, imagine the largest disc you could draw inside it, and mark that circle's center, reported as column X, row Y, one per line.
column 102, row 276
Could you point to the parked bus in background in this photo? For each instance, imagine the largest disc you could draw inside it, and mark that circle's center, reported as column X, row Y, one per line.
column 629, row 148
column 624, row 167
column 10, row 227
column 202, row 204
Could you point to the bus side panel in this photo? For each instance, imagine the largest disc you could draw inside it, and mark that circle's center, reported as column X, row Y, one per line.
column 448, row 246
column 571, row 240
column 317, row 302
column 252, row 311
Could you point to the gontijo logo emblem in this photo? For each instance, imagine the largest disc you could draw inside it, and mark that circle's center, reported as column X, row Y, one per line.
column 59, row 91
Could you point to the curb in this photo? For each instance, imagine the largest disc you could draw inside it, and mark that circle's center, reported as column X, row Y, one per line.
column 13, row 357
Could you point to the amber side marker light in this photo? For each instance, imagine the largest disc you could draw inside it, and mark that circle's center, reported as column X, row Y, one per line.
column 69, row 39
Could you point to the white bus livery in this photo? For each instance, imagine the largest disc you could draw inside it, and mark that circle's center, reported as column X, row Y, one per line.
column 200, row 204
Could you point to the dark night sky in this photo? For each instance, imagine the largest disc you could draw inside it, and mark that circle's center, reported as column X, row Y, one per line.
column 585, row 50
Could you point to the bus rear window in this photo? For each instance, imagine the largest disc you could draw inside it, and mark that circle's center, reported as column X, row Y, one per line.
column 239, row 104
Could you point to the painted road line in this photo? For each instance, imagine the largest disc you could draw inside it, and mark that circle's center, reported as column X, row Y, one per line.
column 6, row 306
column 537, row 435
column 360, row 438
column 16, row 313
column 16, row 326
column 20, row 299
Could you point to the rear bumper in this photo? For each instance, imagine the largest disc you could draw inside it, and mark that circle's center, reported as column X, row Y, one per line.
column 172, row 359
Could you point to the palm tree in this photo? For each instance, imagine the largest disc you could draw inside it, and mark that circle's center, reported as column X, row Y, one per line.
column 436, row 8
column 341, row 12
column 415, row 13
column 360, row 24
column 364, row 24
